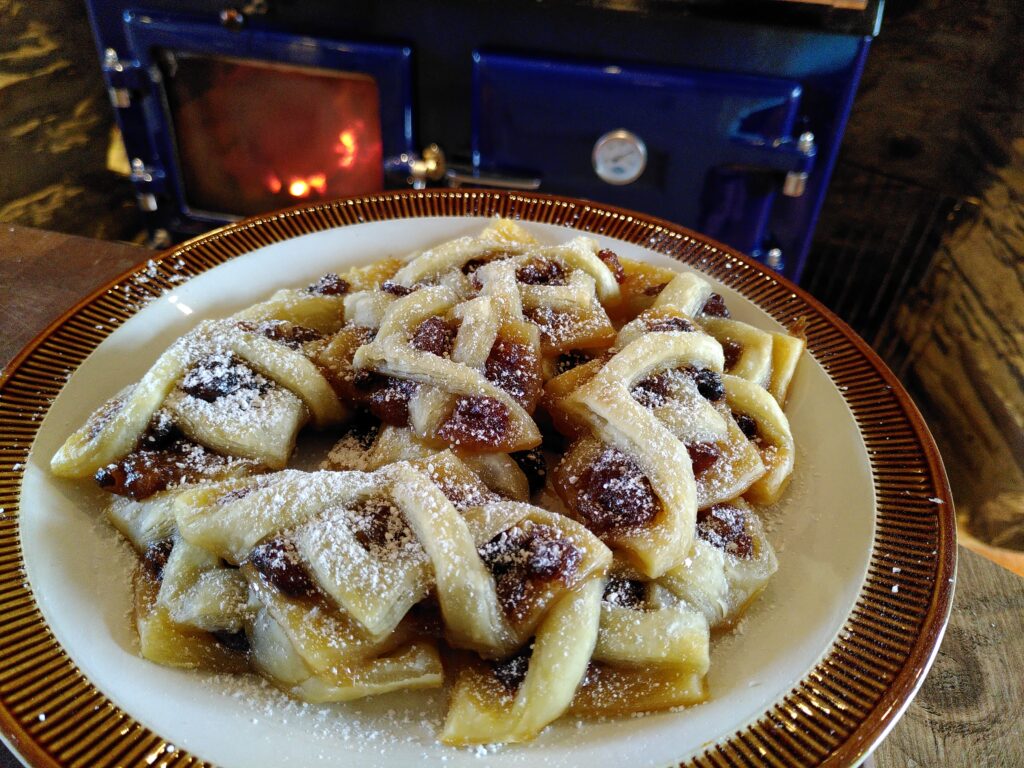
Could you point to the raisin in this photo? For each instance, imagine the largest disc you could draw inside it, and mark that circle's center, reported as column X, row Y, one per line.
column 233, row 641
column 385, row 397
column 217, row 376
column 611, row 260
column 291, row 335
column 330, row 285
column 615, row 494
column 389, row 286
column 709, row 384
column 551, row 558
column 703, row 456
column 511, row 672
column 654, row 290
column 521, row 560
column 161, row 434
column 733, row 350
column 514, row 368
column 725, row 527
column 476, row 423
column 155, row 557
column 570, row 360
column 278, row 562
column 668, row 324
column 541, row 272
column 434, row 335
column 378, row 526
column 534, row 466
column 652, row 391
column 747, row 425
column 626, row 593
column 473, row 265
column 715, row 306
column 141, row 474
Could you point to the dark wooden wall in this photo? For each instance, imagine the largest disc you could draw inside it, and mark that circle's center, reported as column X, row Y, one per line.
column 55, row 123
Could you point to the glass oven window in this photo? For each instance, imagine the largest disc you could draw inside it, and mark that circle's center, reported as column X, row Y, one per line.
column 254, row 136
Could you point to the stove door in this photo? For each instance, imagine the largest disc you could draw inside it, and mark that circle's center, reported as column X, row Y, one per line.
column 707, row 149
column 251, row 120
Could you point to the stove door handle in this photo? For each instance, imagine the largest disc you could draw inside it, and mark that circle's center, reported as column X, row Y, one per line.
column 432, row 166
column 466, row 176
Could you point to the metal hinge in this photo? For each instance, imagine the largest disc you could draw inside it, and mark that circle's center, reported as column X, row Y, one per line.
column 148, row 181
column 795, row 157
column 122, row 76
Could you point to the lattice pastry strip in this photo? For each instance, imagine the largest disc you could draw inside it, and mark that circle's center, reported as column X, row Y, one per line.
column 198, row 591
column 652, row 652
column 639, row 487
column 729, row 565
column 320, row 654
column 499, row 472
column 165, row 641
column 515, row 707
column 760, row 418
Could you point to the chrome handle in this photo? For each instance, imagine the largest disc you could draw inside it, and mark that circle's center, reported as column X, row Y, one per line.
column 464, row 176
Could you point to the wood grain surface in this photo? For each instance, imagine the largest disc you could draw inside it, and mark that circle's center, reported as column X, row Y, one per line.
column 968, row 712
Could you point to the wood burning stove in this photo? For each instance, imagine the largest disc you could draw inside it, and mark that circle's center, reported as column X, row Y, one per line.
column 723, row 116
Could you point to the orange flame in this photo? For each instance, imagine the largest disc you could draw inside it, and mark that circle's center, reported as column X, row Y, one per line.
column 346, row 148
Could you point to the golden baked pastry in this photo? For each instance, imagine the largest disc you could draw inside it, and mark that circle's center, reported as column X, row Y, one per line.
column 540, row 492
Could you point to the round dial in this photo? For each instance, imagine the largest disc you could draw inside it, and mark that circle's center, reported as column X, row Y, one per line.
column 619, row 157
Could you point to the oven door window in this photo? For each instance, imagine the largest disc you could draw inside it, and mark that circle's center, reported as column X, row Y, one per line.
column 254, row 136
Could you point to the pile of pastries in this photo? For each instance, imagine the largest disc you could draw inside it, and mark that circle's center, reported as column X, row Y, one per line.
column 543, row 490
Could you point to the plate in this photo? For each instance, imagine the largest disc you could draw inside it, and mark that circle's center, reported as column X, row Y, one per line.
column 819, row 670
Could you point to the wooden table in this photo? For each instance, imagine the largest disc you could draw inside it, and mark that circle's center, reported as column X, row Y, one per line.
column 969, row 711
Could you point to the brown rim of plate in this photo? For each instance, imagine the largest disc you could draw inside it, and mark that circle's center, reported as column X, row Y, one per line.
column 833, row 716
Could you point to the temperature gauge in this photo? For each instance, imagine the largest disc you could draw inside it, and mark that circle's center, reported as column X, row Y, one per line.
column 619, row 157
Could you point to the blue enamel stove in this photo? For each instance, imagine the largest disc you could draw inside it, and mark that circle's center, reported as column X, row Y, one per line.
column 723, row 116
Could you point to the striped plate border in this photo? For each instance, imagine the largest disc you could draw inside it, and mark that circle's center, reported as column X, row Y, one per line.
column 833, row 716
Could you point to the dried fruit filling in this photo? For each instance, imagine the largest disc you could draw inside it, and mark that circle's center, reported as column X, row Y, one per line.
column 614, row 494
column 330, row 285
column 725, row 527
column 476, row 423
column 386, row 397
column 222, row 375
column 278, row 562
column 515, row 368
column 434, row 335
column 523, row 559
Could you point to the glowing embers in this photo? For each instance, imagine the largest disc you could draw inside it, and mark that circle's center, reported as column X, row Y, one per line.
column 254, row 136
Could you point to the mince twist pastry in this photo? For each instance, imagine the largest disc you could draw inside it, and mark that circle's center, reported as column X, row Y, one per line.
column 653, row 649
column 241, row 387
column 632, row 477
column 765, row 358
column 729, row 565
column 442, row 374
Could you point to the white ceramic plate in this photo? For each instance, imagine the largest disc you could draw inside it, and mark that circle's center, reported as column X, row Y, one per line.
column 823, row 530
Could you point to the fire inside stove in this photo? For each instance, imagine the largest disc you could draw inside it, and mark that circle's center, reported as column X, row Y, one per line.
column 253, row 137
